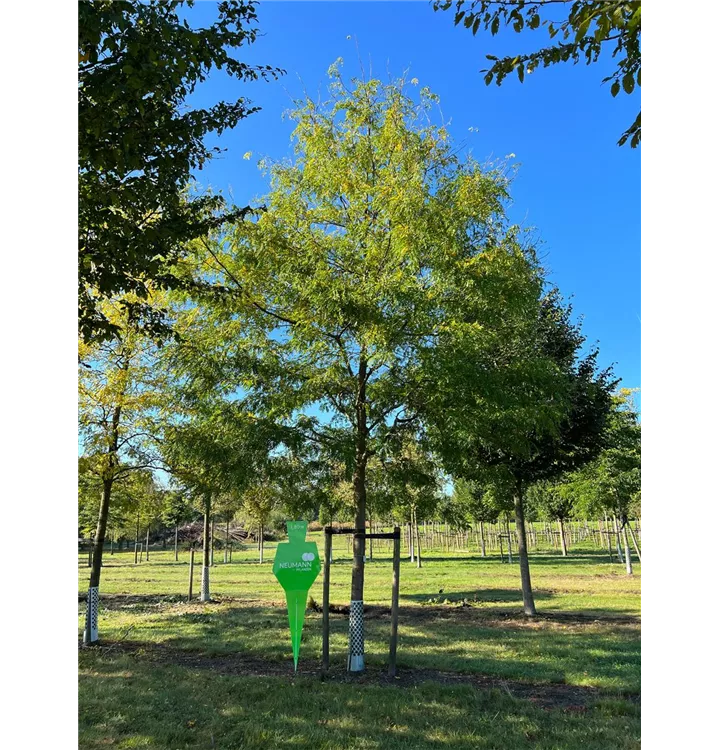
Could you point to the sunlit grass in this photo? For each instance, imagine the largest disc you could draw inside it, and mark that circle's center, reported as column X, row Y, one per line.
column 460, row 615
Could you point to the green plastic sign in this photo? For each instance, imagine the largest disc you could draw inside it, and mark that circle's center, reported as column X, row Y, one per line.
column 296, row 566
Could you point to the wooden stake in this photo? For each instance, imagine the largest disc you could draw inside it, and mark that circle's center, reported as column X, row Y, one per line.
column 395, row 603
column 191, row 573
column 325, row 599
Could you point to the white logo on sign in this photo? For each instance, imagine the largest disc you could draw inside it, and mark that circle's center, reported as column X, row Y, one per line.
column 308, row 556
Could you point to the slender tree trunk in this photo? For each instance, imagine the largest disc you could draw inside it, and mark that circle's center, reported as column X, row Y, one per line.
column 629, row 565
column 528, row 596
column 562, row 531
column 508, row 539
column 176, row 541
column 618, row 539
column 93, row 595
column 137, row 536
column 418, row 542
column 147, row 545
column 261, row 542
column 207, row 543
column 226, row 541
column 356, row 604
column 483, row 541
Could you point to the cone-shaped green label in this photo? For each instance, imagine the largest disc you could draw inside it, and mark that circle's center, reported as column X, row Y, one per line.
column 296, row 566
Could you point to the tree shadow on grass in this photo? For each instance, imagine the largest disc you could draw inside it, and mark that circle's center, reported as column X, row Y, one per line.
column 476, row 596
column 130, row 702
column 453, row 639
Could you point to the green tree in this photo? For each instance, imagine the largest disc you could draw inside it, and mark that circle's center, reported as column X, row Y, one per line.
column 612, row 482
column 177, row 510
column 555, row 501
column 120, row 392
column 412, row 479
column 370, row 244
column 542, row 414
column 258, row 503
column 477, row 503
column 214, row 448
column 139, row 143
column 586, row 29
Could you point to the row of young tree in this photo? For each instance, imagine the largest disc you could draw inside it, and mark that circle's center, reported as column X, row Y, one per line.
column 607, row 488
column 377, row 327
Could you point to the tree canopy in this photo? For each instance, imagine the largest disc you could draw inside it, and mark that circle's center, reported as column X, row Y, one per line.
column 139, row 143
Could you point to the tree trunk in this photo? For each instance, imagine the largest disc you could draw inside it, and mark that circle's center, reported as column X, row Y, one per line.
column 629, row 565
column 418, row 542
column 137, row 536
column 618, row 539
column 508, row 539
column 93, row 595
column 356, row 604
column 261, row 543
column 226, row 541
column 204, row 595
column 147, row 545
column 483, row 541
column 528, row 596
column 562, row 531
column 176, row 540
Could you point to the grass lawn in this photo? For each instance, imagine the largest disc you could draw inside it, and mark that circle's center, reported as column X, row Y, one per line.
column 473, row 672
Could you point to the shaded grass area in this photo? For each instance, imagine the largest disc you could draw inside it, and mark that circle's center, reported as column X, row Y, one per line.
column 473, row 671
column 128, row 703
column 597, row 654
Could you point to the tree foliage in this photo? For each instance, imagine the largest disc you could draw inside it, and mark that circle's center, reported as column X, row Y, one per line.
column 544, row 415
column 587, row 29
column 139, row 143
column 612, row 482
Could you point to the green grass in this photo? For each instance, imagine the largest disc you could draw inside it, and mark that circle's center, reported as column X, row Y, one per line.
column 218, row 674
column 129, row 704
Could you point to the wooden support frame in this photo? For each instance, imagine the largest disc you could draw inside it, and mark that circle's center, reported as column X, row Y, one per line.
column 396, row 562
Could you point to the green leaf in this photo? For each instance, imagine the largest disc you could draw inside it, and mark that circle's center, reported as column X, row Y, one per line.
column 583, row 30
column 615, row 88
column 628, row 83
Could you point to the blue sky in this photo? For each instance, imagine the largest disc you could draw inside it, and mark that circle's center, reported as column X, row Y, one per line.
column 575, row 186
